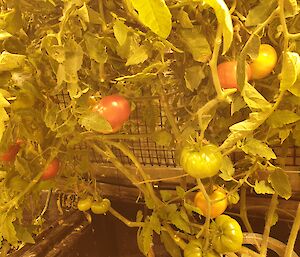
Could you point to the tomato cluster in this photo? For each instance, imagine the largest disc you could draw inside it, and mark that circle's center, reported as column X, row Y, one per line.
column 260, row 68
column 203, row 163
column 115, row 109
column 97, row 207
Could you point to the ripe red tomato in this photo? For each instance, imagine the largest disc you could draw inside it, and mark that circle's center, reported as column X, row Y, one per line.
column 227, row 74
column 217, row 208
column 51, row 170
column 115, row 109
column 263, row 65
column 10, row 154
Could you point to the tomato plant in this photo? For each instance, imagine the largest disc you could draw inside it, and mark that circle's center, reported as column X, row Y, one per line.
column 51, row 170
column 202, row 163
column 115, row 109
column 100, row 207
column 218, row 205
column 227, row 74
column 85, row 204
column 227, row 236
column 265, row 62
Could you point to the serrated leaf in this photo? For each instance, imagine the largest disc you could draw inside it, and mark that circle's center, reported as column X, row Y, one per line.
column 4, row 34
column 138, row 56
column 224, row 20
column 145, row 237
column 166, row 195
column 155, row 223
column 254, row 99
column 93, row 121
column 7, row 229
column 196, row 44
column 227, row 169
column 120, row 32
column 261, row 187
column 155, row 15
column 260, row 12
column 191, row 208
column 251, row 49
column 279, row 118
column 171, row 247
column 258, row 148
column 10, row 61
column 284, row 134
column 233, row 198
column 295, row 89
column 290, row 70
column 237, row 104
column 176, row 219
column 95, row 48
column 24, row 235
column 3, row 102
column 162, row 138
column 281, row 184
column 290, row 8
column 184, row 19
column 193, row 77
column 180, row 192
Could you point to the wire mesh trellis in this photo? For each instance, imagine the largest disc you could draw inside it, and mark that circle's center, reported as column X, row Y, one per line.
column 149, row 153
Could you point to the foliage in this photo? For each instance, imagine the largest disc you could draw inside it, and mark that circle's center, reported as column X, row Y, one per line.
column 58, row 58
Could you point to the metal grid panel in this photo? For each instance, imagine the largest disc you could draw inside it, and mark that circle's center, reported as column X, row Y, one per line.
column 149, row 153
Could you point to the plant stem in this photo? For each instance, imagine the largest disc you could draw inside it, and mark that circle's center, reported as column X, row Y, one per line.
column 127, row 222
column 214, row 62
column 269, row 222
column 173, row 235
column 205, row 228
column 132, row 157
column 170, row 116
column 101, row 11
column 293, row 235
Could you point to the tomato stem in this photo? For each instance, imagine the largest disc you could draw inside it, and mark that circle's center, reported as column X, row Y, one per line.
column 119, row 216
column 293, row 235
column 268, row 224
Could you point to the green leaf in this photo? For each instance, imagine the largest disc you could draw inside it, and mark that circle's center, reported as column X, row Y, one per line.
column 281, row 184
column 93, row 121
column 290, row 70
column 155, row 15
column 184, row 19
column 88, row 15
column 139, row 55
column 257, row 148
column 4, row 34
column 254, row 99
column 7, row 228
column 171, row 247
column 166, row 195
column 233, row 198
column 176, row 219
column 295, row 89
column 191, row 208
column 3, row 102
column 193, row 77
column 24, row 235
column 180, row 192
column 120, row 32
column 162, row 138
column 95, row 48
column 279, row 118
column 10, row 61
column 260, row 12
column 250, row 49
column 290, row 8
column 227, row 169
column 155, row 223
column 284, row 134
column 237, row 104
column 196, row 43
column 261, row 187
column 224, row 19
column 145, row 237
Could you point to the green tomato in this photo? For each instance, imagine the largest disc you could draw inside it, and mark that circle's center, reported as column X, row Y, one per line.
column 194, row 249
column 203, row 163
column 84, row 204
column 100, row 207
column 228, row 236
